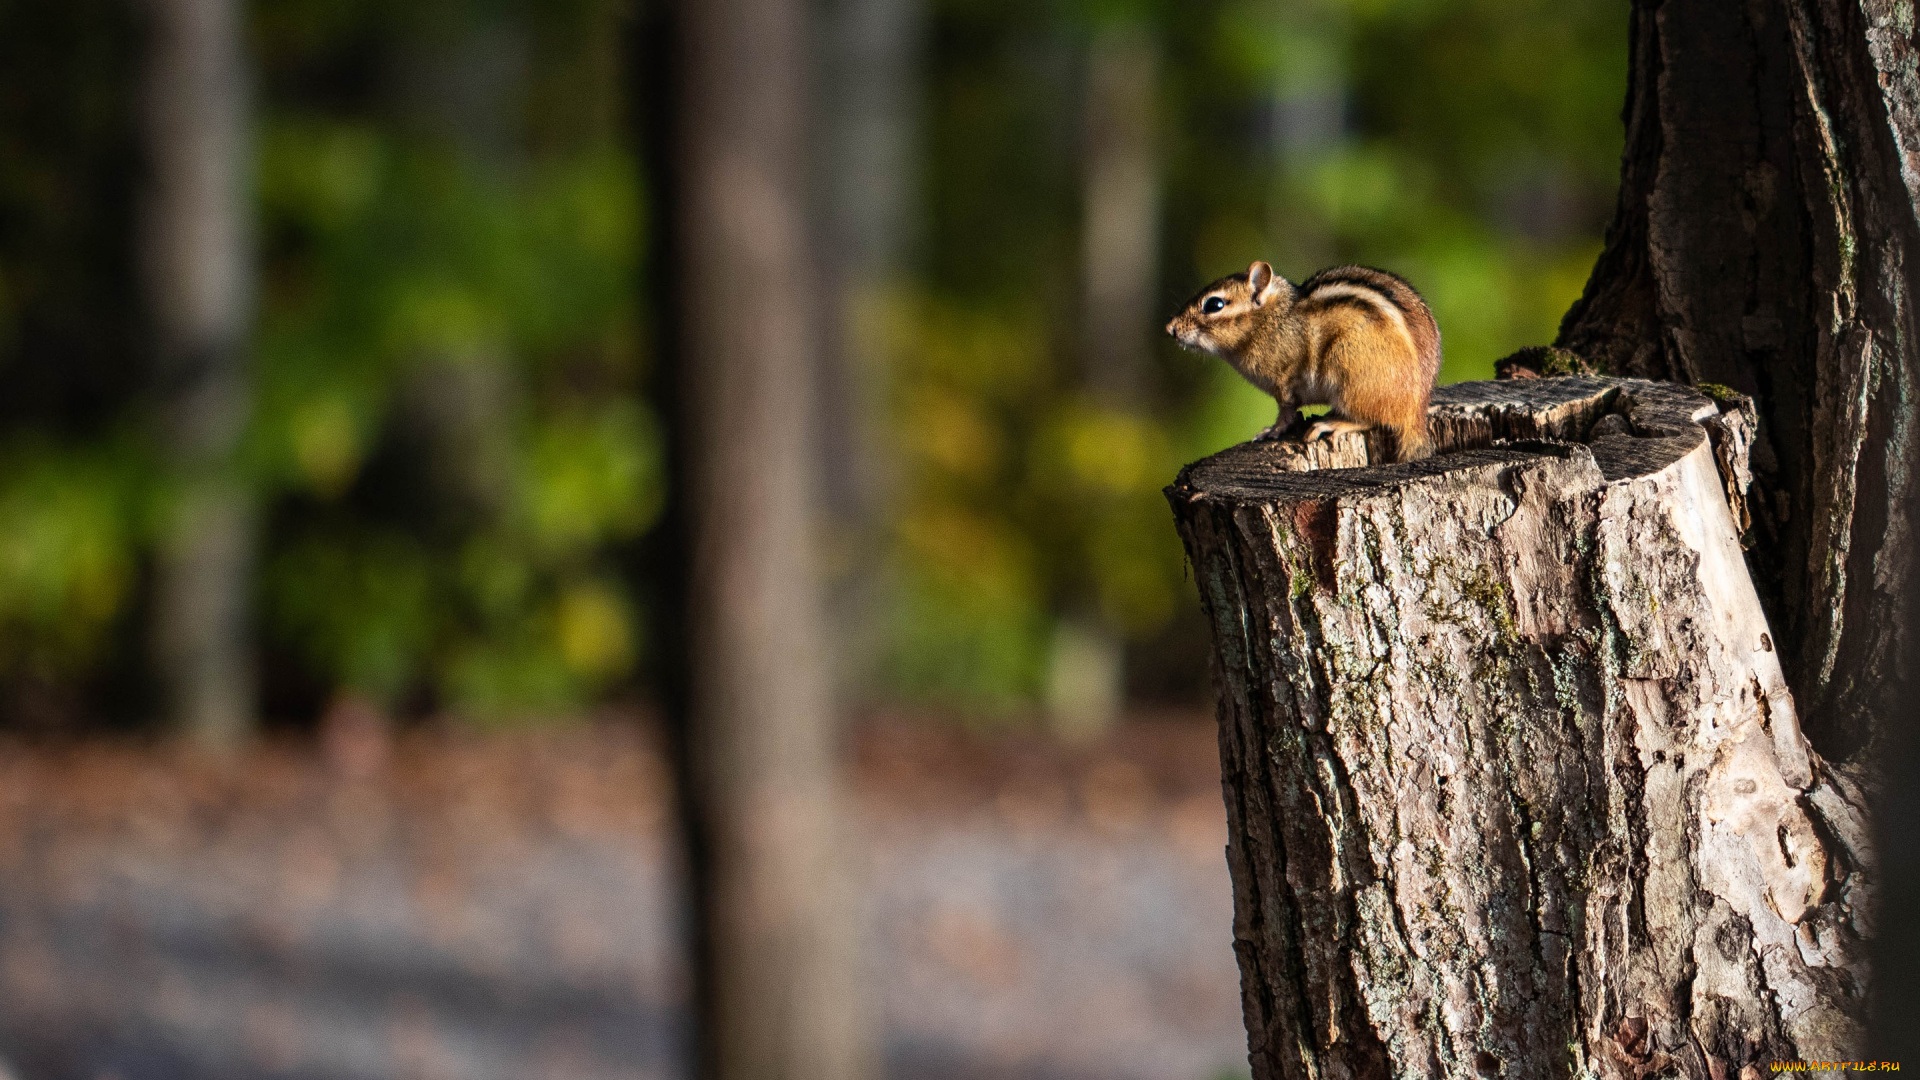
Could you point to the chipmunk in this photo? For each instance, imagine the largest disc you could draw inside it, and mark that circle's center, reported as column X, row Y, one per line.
column 1358, row 339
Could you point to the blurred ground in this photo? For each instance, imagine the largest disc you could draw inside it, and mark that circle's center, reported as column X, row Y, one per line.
column 475, row 907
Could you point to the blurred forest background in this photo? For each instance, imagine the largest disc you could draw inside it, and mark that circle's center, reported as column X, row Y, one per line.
column 450, row 448
column 348, row 404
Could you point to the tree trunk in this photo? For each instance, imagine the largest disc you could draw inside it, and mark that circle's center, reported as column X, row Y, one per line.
column 463, row 80
column 198, row 276
column 1765, row 240
column 779, row 987
column 1119, row 281
column 1515, row 784
column 867, row 57
column 1120, row 226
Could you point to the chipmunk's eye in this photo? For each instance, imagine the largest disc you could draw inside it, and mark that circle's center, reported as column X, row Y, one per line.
column 1213, row 304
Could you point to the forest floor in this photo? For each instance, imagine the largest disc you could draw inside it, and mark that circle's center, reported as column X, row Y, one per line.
column 458, row 906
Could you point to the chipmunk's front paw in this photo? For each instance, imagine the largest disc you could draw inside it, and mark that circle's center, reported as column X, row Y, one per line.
column 1286, row 425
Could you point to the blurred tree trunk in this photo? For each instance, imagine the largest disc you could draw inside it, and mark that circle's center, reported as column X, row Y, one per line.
column 1120, row 228
column 867, row 58
column 1766, row 239
column 780, row 990
column 1119, row 260
column 464, row 80
column 198, row 269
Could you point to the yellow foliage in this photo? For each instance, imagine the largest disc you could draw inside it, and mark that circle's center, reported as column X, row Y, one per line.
column 326, row 445
column 988, row 558
column 595, row 631
column 949, row 430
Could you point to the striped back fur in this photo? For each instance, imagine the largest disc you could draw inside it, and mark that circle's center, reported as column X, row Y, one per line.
column 1363, row 284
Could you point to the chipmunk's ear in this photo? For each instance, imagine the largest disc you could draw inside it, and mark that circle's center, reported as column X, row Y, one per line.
column 1264, row 283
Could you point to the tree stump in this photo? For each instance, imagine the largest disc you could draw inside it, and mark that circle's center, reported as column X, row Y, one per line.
column 1514, row 783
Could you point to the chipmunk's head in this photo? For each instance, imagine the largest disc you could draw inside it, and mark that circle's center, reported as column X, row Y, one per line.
column 1223, row 317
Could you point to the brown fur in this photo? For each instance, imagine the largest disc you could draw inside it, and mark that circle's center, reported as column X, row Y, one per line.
column 1331, row 340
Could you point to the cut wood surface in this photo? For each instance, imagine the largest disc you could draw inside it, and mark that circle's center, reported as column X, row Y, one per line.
column 1514, row 784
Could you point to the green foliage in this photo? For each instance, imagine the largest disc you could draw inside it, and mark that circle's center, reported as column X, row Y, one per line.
column 1477, row 155
column 446, row 440
column 447, row 356
column 1472, row 147
column 73, row 521
column 73, row 487
column 971, row 618
column 446, row 419
column 416, row 274
column 448, row 443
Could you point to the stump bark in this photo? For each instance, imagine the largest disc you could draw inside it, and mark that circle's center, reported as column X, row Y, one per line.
column 1514, row 783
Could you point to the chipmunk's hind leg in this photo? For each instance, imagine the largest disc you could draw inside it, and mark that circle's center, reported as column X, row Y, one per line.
column 1380, row 386
column 1408, row 445
column 1331, row 426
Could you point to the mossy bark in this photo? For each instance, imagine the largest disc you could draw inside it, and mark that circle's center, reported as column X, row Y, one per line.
column 1514, row 782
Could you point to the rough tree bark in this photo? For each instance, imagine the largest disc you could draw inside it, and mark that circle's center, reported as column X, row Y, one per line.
column 778, row 985
column 198, row 272
column 1766, row 239
column 1515, row 784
